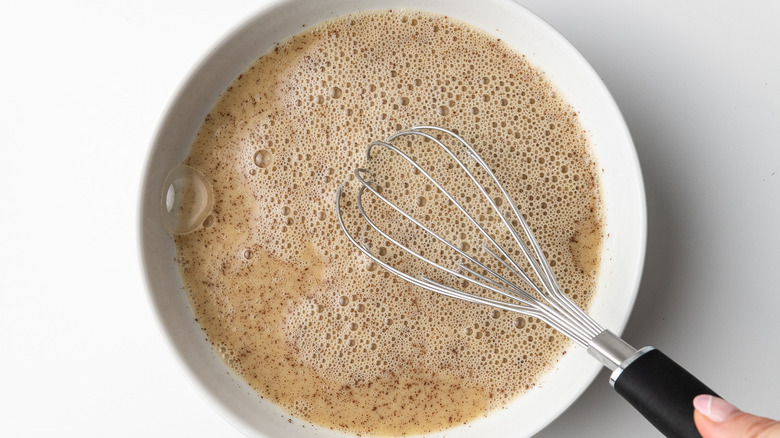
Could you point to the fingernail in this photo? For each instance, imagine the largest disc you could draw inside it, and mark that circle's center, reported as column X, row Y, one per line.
column 714, row 408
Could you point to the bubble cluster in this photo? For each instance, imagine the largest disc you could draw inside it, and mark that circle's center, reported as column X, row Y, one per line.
column 309, row 322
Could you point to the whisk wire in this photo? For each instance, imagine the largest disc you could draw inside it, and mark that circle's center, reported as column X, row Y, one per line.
column 549, row 303
column 446, row 193
column 524, row 297
column 568, row 328
column 368, row 185
column 530, row 308
column 537, row 259
column 542, row 268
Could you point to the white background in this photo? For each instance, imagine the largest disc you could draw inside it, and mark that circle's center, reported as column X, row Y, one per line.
column 84, row 84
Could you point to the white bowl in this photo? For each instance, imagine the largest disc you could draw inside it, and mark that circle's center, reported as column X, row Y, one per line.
column 621, row 182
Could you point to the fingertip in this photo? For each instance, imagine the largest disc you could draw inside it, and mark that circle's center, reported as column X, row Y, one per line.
column 702, row 403
column 714, row 408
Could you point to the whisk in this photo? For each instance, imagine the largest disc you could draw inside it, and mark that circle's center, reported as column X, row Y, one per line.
column 655, row 385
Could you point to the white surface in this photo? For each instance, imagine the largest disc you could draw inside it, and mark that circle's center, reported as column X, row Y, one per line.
column 83, row 88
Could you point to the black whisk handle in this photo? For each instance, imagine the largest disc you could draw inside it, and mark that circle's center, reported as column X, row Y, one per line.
column 662, row 391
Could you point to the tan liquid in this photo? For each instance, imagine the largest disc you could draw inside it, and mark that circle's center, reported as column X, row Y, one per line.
column 298, row 312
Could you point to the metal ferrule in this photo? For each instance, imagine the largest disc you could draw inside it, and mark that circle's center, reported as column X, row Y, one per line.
column 614, row 353
column 610, row 350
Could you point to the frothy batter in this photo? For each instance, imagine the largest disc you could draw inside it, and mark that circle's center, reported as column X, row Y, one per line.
column 299, row 313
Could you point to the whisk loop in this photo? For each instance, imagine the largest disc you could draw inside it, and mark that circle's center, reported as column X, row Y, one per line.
column 542, row 299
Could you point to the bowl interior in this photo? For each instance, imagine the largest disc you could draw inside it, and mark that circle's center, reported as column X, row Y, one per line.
column 621, row 181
